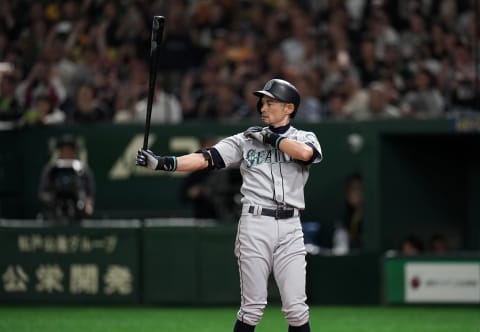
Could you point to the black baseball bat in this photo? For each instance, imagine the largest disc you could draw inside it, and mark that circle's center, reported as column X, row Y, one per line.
column 158, row 25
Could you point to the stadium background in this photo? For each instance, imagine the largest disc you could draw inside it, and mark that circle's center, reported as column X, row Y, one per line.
column 417, row 154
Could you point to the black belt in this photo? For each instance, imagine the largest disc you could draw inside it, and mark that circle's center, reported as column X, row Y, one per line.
column 278, row 213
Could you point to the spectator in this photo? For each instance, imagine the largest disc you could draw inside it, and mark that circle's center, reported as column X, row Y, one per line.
column 412, row 245
column 335, row 106
column 191, row 92
column 413, row 38
column 354, row 216
column 82, row 70
column 438, row 244
column 40, row 80
column 356, row 99
column 312, row 57
column 67, row 186
column 43, row 112
column 439, row 50
column 248, row 108
column 368, row 62
column 109, row 33
column 10, row 109
column 424, row 100
column 179, row 51
column 335, row 70
column 88, row 108
column 61, row 45
column 394, row 85
column 165, row 109
column 3, row 43
column 226, row 104
column 382, row 32
column 463, row 91
column 311, row 109
column 378, row 105
column 294, row 46
column 131, row 90
column 275, row 63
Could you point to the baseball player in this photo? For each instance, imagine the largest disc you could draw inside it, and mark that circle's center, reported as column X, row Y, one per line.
column 274, row 163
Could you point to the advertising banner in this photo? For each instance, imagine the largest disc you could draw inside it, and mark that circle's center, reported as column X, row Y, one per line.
column 442, row 282
column 69, row 265
column 432, row 279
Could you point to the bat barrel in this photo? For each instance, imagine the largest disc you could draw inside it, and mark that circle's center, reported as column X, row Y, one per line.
column 158, row 25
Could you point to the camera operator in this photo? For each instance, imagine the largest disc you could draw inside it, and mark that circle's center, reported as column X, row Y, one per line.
column 67, row 185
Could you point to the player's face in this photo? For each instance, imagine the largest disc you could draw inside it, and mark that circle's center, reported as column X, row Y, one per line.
column 275, row 113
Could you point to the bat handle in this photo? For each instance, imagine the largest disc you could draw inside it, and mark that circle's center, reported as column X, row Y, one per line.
column 151, row 94
column 146, row 131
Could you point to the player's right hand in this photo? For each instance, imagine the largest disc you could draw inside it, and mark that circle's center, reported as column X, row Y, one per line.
column 255, row 133
column 146, row 158
column 263, row 135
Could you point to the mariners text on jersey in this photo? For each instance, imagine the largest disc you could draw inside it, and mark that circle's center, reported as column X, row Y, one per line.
column 272, row 156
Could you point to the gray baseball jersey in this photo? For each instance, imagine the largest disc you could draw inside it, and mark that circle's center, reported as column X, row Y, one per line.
column 270, row 177
column 266, row 244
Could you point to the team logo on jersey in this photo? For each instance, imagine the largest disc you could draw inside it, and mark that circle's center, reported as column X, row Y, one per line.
column 273, row 156
column 311, row 138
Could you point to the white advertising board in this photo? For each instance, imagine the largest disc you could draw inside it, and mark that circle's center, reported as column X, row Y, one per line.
column 442, row 282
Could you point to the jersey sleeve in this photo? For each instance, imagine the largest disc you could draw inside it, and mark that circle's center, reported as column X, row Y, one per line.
column 310, row 139
column 230, row 149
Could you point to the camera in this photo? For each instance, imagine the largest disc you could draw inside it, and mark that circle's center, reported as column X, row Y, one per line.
column 68, row 190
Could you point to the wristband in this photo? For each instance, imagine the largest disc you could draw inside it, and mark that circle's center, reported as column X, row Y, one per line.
column 168, row 164
column 278, row 140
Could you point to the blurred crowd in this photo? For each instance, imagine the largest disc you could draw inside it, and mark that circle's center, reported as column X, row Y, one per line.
column 84, row 61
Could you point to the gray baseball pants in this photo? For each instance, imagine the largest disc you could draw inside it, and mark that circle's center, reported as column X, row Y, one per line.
column 267, row 245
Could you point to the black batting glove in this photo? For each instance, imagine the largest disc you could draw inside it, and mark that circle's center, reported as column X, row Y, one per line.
column 146, row 158
column 269, row 137
column 255, row 133
column 264, row 135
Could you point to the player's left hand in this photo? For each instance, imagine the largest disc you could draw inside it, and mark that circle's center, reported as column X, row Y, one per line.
column 146, row 158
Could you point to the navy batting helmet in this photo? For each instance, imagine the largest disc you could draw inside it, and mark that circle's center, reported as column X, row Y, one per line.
column 280, row 90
